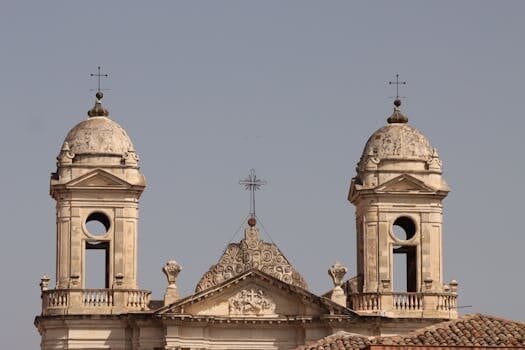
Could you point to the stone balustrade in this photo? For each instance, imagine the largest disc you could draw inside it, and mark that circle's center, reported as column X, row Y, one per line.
column 367, row 302
column 439, row 305
column 97, row 298
column 94, row 301
column 407, row 301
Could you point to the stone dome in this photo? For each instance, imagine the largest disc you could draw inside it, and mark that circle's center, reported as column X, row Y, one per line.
column 398, row 141
column 98, row 135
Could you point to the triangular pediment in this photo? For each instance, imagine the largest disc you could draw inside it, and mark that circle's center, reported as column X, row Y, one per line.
column 254, row 294
column 98, row 179
column 404, row 183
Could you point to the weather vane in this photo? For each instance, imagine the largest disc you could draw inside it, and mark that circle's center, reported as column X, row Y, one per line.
column 99, row 75
column 397, row 101
column 252, row 184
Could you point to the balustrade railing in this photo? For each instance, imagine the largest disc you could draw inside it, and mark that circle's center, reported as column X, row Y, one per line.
column 407, row 301
column 97, row 297
column 57, row 298
column 366, row 301
column 407, row 304
column 446, row 302
column 62, row 301
column 138, row 299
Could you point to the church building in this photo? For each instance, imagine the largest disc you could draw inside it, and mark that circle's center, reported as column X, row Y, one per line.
column 253, row 297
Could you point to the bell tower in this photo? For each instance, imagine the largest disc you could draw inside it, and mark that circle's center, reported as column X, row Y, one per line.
column 398, row 193
column 98, row 181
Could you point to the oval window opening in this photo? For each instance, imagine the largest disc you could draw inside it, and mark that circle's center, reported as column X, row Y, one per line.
column 404, row 228
column 97, row 224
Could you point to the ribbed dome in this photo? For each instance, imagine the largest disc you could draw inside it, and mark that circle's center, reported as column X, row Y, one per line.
column 98, row 135
column 398, row 141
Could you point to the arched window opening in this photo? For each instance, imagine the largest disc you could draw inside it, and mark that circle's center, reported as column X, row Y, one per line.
column 97, row 224
column 404, row 228
column 405, row 269
column 96, row 273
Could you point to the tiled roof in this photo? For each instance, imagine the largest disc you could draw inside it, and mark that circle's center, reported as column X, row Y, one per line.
column 471, row 330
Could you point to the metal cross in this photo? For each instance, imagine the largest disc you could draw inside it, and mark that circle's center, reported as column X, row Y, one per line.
column 99, row 75
column 252, row 184
column 397, row 83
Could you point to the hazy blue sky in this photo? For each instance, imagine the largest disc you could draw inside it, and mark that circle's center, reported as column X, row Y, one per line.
column 208, row 90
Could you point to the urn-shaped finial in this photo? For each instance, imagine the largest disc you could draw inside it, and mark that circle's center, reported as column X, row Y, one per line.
column 454, row 286
column 171, row 269
column 44, row 283
column 337, row 271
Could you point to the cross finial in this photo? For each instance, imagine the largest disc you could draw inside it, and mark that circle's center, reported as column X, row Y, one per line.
column 252, row 184
column 397, row 101
column 99, row 75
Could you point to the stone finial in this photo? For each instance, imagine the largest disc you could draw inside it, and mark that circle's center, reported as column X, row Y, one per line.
column 453, row 286
column 171, row 269
column 119, row 280
column 397, row 117
column 44, row 283
column 386, row 285
column 428, row 283
column 74, row 281
column 98, row 110
column 337, row 271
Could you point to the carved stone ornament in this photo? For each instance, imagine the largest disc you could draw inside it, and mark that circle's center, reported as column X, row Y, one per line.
column 172, row 269
column 130, row 158
column 250, row 302
column 434, row 163
column 249, row 253
column 337, row 271
column 65, row 156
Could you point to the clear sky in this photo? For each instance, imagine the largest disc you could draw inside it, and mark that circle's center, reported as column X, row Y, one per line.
column 208, row 90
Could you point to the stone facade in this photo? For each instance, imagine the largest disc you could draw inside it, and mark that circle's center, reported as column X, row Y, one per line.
column 252, row 298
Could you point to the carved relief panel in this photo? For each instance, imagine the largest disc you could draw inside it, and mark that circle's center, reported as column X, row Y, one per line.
column 251, row 302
